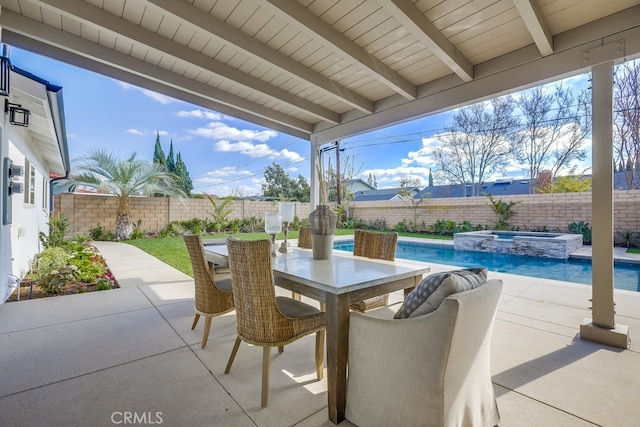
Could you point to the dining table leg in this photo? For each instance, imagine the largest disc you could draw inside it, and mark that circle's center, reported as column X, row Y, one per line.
column 337, row 326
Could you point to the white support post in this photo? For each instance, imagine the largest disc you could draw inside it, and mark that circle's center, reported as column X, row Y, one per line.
column 314, row 163
column 602, row 327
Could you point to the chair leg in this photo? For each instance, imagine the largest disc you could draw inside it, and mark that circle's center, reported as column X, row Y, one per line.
column 323, row 307
column 195, row 321
column 232, row 355
column 266, row 365
column 280, row 348
column 320, row 354
column 296, row 296
column 207, row 328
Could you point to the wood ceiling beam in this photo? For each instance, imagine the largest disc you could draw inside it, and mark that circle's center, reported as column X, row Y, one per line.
column 192, row 17
column 99, row 18
column 410, row 17
column 536, row 24
column 613, row 38
column 294, row 13
column 106, row 61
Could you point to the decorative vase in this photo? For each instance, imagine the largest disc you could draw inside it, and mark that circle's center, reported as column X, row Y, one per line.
column 323, row 230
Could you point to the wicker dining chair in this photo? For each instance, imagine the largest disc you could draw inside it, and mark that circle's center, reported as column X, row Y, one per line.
column 304, row 237
column 378, row 246
column 213, row 297
column 262, row 318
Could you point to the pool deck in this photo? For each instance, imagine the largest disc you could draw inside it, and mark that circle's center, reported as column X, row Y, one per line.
column 88, row 359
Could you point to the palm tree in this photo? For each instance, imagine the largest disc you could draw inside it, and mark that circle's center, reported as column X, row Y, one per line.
column 106, row 173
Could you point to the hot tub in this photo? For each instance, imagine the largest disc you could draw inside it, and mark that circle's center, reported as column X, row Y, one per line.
column 531, row 243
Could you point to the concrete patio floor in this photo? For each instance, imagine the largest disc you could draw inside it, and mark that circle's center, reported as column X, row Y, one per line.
column 93, row 359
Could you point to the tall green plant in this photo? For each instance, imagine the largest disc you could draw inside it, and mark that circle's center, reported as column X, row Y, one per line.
column 581, row 227
column 57, row 229
column 504, row 212
column 220, row 213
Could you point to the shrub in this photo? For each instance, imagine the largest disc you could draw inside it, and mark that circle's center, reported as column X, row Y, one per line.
column 173, row 229
column 504, row 212
column 110, row 236
column 581, row 227
column 627, row 238
column 137, row 232
column 57, row 229
column 97, row 232
column 50, row 269
column 401, row 227
column 377, row 224
column 89, row 263
column 540, row 228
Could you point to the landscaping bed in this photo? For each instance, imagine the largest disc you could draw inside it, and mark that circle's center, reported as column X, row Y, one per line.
column 29, row 290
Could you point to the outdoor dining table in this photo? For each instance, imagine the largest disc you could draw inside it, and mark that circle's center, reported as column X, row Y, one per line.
column 335, row 282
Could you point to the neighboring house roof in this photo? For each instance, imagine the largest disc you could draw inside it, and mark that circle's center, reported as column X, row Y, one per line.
column 505, row 187
column 355, row 185
column 47, row 119
column 382, row 194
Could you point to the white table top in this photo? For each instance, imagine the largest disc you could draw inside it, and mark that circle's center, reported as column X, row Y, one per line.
column 340, row 274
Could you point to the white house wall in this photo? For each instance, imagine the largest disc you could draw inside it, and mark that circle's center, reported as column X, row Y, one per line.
column 20, row 239
column 28, row 219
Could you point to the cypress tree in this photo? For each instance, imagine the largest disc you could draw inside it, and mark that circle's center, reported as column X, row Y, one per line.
column 158, row 154
column 171, row 163
column 183, row 176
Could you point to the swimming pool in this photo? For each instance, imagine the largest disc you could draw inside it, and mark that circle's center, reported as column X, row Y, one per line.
column 626, row 274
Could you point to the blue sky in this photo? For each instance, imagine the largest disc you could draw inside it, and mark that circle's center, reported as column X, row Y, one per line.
column 224, row 155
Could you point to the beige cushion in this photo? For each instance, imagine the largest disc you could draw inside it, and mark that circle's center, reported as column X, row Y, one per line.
column 433, row 289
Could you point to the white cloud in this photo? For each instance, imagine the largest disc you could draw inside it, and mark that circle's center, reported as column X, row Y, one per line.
column 202, row 114
column 146, row 132
column 158, row 97
column 219, row 130
column 423, row 156
column 225, row 180
column 390, row 178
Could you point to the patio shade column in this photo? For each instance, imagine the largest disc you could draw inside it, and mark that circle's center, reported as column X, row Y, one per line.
column 602, row 327
column 314, row 164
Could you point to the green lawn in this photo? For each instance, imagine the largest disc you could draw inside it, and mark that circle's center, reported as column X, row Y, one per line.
column 173, row 251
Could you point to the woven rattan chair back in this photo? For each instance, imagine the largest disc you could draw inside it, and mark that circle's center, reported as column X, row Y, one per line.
column 263, row 319
column 375, row 245
column 210, row 300
column 378, row 246
column 254, row 292
column 260, row 321
column 304, row 237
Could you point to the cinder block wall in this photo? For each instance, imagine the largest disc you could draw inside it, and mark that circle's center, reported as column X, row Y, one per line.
column 552, row 210
column 85, row 211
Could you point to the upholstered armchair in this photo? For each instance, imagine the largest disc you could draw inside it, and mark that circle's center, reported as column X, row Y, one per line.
column 428, row 370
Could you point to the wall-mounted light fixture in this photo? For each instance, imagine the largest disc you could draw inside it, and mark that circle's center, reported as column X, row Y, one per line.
column 5, row 70
column 17, row 115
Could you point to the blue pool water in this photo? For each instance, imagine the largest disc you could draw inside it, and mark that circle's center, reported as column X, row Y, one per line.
column 626, row 275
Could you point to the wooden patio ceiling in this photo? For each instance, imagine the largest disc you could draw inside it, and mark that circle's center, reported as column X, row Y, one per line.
column 327, row 69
